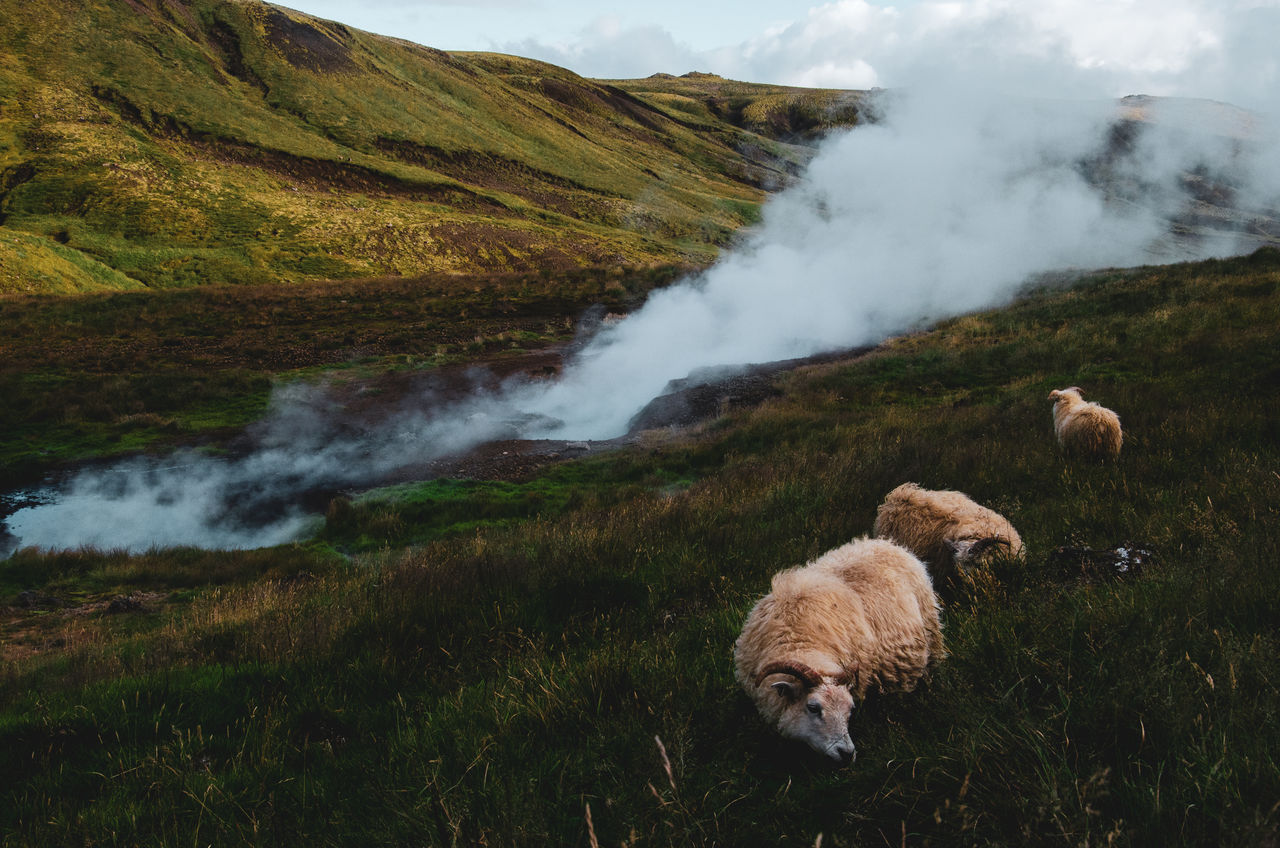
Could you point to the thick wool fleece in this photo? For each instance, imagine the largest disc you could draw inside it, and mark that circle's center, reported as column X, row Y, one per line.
column 936, row 524
column 864, row 613
column 1084, row 428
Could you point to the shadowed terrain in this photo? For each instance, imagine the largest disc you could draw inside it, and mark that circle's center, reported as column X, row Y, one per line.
column 208, row 206
column 468, row 660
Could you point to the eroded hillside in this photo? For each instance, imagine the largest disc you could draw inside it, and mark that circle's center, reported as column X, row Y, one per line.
column 157, row 143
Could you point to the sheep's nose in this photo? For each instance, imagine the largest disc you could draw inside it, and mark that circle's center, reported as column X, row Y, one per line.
column 845, row 754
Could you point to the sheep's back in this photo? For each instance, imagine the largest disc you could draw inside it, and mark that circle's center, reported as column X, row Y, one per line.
column 1090, row 430
column 918, row 520
column 807, row 612
column 924, row 521
column 899, row 608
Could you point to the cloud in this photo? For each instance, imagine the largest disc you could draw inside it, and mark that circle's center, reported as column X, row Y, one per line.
column 855, row 74
column 1204, row 48
column 1220, row 49
column 606, row 49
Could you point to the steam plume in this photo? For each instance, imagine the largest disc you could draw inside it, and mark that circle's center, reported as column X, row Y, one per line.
column 943, row 206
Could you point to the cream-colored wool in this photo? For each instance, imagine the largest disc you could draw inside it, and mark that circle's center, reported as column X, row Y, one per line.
column 860, row 617
column 946, row 529
column 1085, row 429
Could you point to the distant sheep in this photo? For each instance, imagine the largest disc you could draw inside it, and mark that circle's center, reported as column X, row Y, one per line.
column 1085, row 429
column 946, row 529
column 860, row 616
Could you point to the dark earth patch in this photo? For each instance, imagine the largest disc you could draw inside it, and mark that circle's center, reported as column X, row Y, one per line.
column 308, row 47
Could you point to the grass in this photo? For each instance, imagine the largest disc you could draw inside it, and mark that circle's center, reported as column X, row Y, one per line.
column 104, row 373
column 149, row 145
column 414, row 514
column 511, row 657
column 782, row 113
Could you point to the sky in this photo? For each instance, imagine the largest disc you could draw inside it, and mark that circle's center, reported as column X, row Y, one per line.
column 1217, row 49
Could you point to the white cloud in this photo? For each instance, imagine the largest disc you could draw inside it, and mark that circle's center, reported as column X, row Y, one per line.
column 607, row 49
column 1222, row 49
column 1204, row 48
column 853, row 74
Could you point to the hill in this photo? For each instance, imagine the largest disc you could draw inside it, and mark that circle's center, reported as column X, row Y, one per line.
column 489, row 662
column 779, row 112
column 161, row 143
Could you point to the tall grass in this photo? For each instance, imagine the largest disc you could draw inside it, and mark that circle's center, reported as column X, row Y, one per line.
column 491, row 685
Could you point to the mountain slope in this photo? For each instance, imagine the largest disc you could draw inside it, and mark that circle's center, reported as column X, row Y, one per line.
column 163, row 142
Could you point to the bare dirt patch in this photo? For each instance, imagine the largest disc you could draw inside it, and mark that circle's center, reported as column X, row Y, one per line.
column 35, row 623
column 308, row 47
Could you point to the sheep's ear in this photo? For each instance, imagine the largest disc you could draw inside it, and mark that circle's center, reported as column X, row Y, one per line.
column 786, row 689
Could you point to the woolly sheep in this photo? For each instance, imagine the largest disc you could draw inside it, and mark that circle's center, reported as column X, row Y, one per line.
column 1083, row 428
column 860, row 616
column 946, row 529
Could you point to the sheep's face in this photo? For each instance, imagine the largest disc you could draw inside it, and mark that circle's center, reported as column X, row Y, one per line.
column 817, row 716
column 963, row 554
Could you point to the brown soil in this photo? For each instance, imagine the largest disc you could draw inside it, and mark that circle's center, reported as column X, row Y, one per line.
column 308, row 47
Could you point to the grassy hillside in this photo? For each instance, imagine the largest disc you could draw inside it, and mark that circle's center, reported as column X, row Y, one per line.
column 167, row 143
column 548, row 660
column 781, row 112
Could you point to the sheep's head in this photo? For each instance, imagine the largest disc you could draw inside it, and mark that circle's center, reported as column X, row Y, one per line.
column 1072, row 393
column 815, row 708
column 968, row 553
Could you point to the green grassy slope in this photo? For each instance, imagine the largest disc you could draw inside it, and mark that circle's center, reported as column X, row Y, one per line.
column 167, row 143
column 775, row 111
column 490, row 664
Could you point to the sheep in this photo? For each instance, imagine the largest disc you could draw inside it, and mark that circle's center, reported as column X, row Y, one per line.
column 1084, row 428
column 860, row 616
column 946, row 529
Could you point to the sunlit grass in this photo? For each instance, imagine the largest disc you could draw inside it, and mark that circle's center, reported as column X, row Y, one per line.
column 210, row 146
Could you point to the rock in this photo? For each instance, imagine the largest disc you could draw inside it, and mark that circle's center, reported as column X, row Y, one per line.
column 123, row 603
column 31, row 599
column 1127, row 559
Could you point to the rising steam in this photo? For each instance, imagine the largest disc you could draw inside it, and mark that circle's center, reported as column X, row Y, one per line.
column 942, row 206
